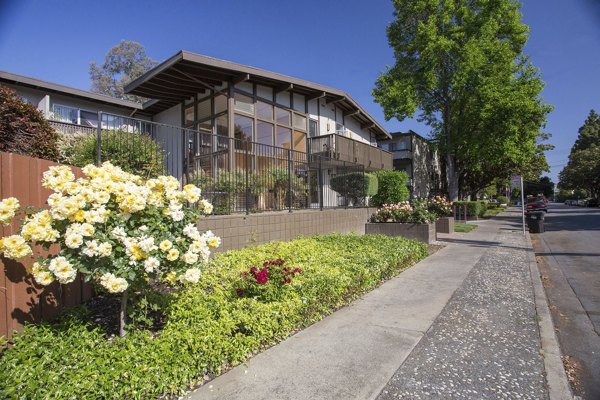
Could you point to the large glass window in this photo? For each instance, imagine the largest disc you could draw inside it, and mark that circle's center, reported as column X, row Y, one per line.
column 264, row 133
column 189, row 115
column 283, row 137
column 282, row 116
column 244, row 104
column 220, row 103
column 264, row 110
column 221, row 122
column 299, row 141
column 243, row 127
column 312, row 127
column 204, row 109
column 299, row 122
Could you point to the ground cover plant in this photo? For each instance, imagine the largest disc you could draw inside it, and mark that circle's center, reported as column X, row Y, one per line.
column 209, row 326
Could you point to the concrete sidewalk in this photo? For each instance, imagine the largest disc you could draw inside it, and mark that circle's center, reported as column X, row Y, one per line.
column 459, row 324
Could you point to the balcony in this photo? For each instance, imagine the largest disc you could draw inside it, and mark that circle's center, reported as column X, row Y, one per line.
column 345, row 149
column 403, row 154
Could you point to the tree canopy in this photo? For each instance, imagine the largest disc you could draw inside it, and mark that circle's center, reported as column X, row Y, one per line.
column 460, row 64
column 122, row 64
column 583, row 169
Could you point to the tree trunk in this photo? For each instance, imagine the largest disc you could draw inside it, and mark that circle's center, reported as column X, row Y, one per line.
column 452, row 176
column 123, row 314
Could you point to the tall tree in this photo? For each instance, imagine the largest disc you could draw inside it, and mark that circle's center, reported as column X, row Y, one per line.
column 583, row 169
column 122, row 64
column 460, row 63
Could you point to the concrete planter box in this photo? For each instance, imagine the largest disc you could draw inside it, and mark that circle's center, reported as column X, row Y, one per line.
column 444, row 225
column 422, row 232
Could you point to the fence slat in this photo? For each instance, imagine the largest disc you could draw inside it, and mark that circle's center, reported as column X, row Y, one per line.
column 21, row 300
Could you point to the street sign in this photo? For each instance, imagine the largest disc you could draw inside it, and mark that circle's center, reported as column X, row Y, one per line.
column 515, row 181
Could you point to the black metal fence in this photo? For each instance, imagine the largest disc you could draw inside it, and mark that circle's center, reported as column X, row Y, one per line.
column 234, row 175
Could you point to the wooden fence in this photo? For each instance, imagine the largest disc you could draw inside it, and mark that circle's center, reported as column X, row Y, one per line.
column 21, row 299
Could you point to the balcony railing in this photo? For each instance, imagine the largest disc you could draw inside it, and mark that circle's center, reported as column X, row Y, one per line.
column 402, row 154
column 345, row 149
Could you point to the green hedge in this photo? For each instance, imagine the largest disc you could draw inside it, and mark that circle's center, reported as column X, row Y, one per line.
column 474, row 208
column 208, row 326
column 355, row 185
column 392, row 187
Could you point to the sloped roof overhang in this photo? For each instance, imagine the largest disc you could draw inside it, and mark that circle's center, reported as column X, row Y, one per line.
column 185, row 74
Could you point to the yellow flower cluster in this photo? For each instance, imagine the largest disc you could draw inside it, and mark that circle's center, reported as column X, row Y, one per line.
column 113, row 284
column 8, row 209
column 39, row 228
column 94, row 219
column 14, row 247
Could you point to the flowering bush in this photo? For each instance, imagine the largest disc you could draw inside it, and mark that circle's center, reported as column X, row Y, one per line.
column 113, row 227
column 255, row 281
column 404, row 212
column 440, row 206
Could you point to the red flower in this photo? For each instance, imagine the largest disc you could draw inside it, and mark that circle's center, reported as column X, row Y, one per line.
column 262, row 276
column 240, row 292
column 253, row 270
column 297, row 270
column 266, row 264
column 287, row 281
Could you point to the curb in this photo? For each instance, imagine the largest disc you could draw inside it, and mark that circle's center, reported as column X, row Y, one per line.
column 556, row 378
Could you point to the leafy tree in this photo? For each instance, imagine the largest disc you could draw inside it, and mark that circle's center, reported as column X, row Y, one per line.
column 583, row 169
column 123, row 63
column 23, row 128
column 459, row 62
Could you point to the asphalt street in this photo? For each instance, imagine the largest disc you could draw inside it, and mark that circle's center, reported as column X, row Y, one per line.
column 568, row 253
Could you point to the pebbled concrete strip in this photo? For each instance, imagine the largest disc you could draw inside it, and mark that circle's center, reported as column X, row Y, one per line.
column 353, row 353
column 485, row 343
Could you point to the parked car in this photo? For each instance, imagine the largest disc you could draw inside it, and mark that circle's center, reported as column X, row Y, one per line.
column 537, row 204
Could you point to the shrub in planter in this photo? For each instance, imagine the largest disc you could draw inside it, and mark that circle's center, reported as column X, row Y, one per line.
column 392, row 187
column 132, row 152
column 356, row 186
column 404, row 212
column 440, row 206
column 116, row 229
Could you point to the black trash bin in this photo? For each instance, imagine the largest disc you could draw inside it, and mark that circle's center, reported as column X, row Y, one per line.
column 535, row 221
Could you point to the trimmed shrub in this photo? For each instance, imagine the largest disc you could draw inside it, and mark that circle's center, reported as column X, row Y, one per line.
column 355, row 185
column 474, row 208
column 392, row 187
column 502, row 199
column 23, row 128
column 134, row 153
column 209, row 326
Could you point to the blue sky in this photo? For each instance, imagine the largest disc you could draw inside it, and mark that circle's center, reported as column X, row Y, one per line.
column 336, row 43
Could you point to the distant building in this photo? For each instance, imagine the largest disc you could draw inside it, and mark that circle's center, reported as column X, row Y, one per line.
column 418, row 157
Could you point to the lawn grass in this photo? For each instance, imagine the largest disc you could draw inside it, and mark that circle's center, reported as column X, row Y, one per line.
column 489, row 213
column 209, row 327
column 464, row 228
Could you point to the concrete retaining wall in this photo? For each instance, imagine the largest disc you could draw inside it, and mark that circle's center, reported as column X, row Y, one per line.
column 444, row 225
column 422, row 232
column 237, row 231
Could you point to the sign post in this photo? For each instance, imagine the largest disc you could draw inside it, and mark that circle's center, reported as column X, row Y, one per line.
column 517, row 181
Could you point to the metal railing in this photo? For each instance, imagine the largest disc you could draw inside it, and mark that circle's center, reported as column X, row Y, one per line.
column 234, row 175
